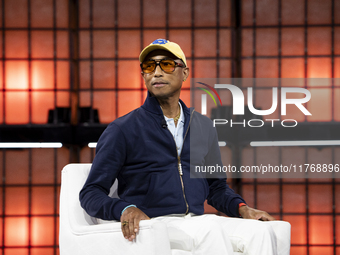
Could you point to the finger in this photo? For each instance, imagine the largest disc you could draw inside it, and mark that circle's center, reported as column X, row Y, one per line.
column 268, row 217
column 264, row 216
column 260, row 217
column 124, row 229
column 271, row 218
column 256, row 215
column 131, row 230
column 136, row 225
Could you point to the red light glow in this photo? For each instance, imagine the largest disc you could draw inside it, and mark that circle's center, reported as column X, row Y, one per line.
column 16, row 231
column 16, row 75
column 42, row 231
column 16, row 108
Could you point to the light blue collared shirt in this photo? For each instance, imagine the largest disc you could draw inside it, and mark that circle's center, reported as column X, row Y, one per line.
column 177, row 131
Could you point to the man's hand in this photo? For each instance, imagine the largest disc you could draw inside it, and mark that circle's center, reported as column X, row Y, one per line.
column 130, row 222
column 250, row 213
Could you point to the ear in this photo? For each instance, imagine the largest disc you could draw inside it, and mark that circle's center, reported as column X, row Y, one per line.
column 185, row 73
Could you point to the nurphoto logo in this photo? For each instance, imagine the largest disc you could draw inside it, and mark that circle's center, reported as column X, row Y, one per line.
column 238, row 105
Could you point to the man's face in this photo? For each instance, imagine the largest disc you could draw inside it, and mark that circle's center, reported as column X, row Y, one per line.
column 161, row 84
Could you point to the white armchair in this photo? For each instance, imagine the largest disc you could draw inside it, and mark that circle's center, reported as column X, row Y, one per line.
column 81, row 234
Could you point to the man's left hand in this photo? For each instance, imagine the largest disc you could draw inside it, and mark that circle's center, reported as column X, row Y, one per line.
column 250, row 213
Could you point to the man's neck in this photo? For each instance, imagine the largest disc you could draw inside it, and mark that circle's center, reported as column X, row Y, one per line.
column 170, row 107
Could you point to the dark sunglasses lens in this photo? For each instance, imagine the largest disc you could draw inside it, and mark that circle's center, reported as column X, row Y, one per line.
column 148, row 66
column 168, row 65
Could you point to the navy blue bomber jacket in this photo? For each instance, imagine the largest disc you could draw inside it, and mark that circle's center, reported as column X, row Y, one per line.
column 140, row 152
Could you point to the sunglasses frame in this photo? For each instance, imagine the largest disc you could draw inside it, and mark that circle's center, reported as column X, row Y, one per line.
column 158, row 63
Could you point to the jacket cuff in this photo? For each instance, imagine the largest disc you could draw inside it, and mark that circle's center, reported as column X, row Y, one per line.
column 118, row 208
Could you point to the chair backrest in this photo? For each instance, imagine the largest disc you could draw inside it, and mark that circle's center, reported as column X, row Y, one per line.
column 73, row 179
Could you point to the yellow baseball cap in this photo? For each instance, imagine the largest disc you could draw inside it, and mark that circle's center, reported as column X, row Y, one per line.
column 163, row 44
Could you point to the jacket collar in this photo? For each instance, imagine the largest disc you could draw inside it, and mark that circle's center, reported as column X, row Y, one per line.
column 151, row 105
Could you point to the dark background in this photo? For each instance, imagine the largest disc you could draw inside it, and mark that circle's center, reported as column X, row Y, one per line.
column 68, row 68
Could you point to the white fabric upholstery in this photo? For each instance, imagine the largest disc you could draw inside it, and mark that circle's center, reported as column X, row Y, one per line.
column 82, row 234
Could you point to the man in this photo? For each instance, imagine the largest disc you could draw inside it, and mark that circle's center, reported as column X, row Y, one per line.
column 148, row 151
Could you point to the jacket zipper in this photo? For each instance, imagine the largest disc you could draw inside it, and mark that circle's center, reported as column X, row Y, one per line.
column 179, row 164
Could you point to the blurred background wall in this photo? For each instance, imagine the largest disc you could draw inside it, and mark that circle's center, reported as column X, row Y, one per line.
column 68, row 68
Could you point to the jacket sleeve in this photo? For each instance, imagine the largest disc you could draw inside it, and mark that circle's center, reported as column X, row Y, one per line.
column 109, row 159
column 221, row 196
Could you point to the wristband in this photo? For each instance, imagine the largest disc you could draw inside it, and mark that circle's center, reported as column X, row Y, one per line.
column 239, row 206
column 127, row 208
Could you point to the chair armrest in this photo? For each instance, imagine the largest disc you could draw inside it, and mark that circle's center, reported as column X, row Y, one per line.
column 282, row 231
column 114, row 227
column 105, row 239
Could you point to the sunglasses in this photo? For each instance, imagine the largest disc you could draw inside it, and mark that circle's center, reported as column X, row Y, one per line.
column 167, row 65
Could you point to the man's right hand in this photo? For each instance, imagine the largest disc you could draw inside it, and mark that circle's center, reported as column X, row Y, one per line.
column 130, row 219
